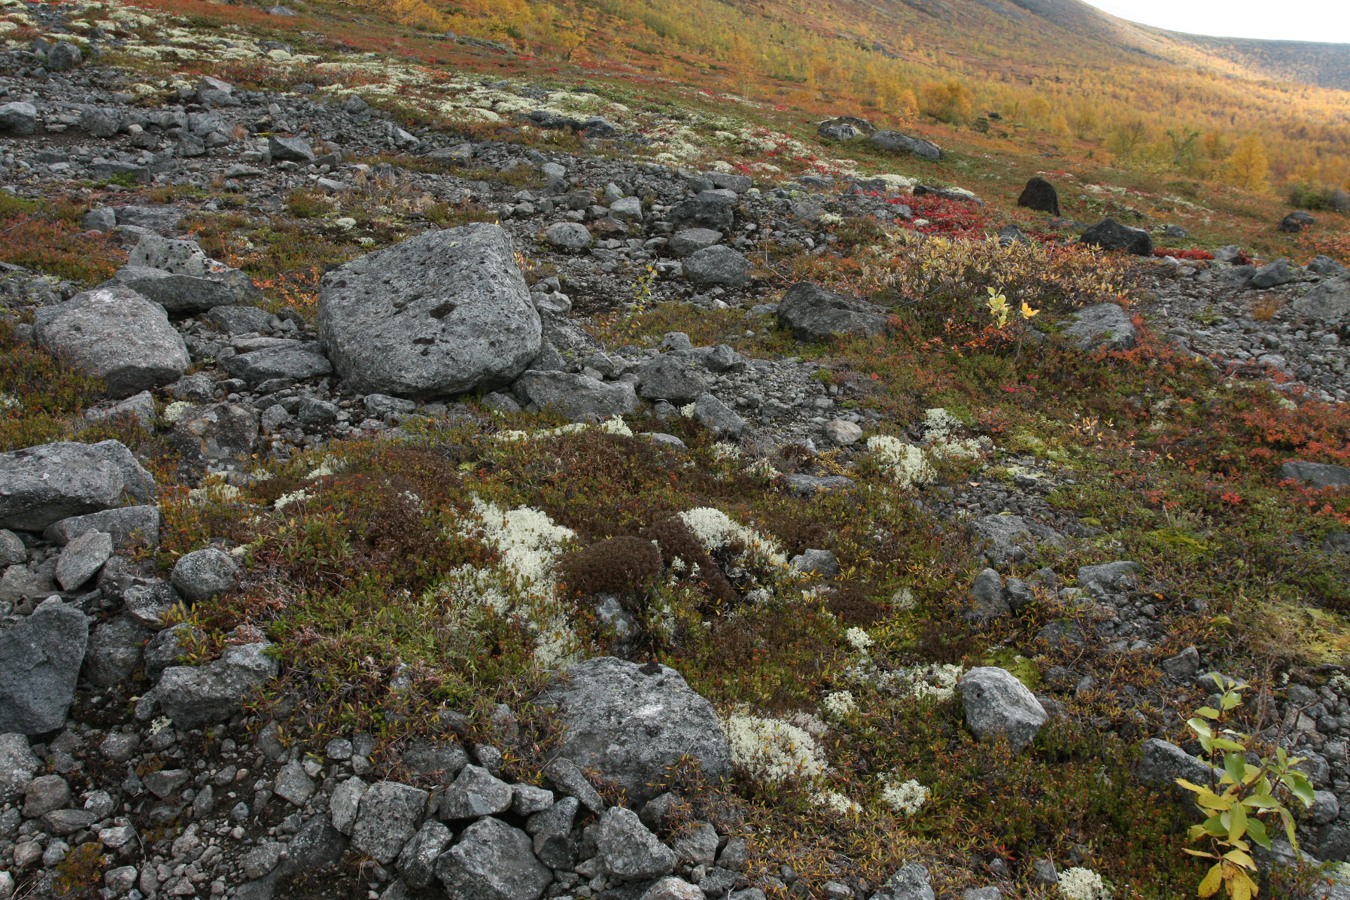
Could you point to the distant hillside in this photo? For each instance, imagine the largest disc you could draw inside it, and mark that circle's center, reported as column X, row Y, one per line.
column 1325, row 65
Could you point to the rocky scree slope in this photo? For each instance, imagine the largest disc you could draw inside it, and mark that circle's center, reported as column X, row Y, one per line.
column 134, row 762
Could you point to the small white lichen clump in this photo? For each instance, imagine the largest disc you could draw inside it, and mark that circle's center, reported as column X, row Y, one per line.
column 714, row 529
column 836, row 803
column 931, row 682
column 771, row 750
column 1082, row 884
column 858, row 639
column 904, row 797
column 940, row 428
column 906, row 463
column 839, row 704
column 526, row 538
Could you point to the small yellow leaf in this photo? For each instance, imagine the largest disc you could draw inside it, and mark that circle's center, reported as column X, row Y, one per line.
column 1209, row 886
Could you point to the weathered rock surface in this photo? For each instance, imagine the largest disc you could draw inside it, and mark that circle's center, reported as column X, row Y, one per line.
column 43, row 485
column 116, row 334
column 195, row 696
column 40, row 660
column 815, row 314
column 998, row 705
column 631, row 722
column 1104, row 325
column 493, row 861
column 439, row 314
column 1111, row 235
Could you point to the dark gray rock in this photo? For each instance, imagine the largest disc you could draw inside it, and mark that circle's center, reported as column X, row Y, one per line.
column 204, row 574
column 1273, row 274
column 40, row 659
column 82, row 558
column 672, row 378
column 1184, row 664
column 12, row 550
column 43, row 485
column 1006, row 539
column 1040, row 195
column 240, row 319
column 64, row 57
column 196, row 696
column 1111, row 235
column 388, row 816
column 1110, row 578
column 895, row 142
column 474, row 794
column 845, row 128
column 216, row 433
column 292, row 361
column 717, row 265
column 988, row 598
column 492, row 861
column 417, row 862
column 812, row 313
column 714, row 210
column 441, row 313
column 162, row 220
column 183, row 295
column 1297, row 221
column 998, row 705
column 1103, row 325
column 18, row 119
column 568, row 778
column 1316, row 475
column 115, row 652
column 576, row 397
column 717, row 417
column 1163, row 763
column 630, row 726
column 115, row 334
column 691, row 240
column 295, row 149
column 130, row 527
column 627, row 849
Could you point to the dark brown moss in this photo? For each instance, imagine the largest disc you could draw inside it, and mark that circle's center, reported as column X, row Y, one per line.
column 621, row 565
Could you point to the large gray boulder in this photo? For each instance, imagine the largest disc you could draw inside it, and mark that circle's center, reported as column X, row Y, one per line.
column 492, row 861
column 1328, row 303
column 717, row 265
column 441, row 313
column 289, row 360
column 43, row 485
column 1104, row 325
column 18, row 119
column 1109, row 234
column 129, row 526
column 197, row 696
column 40, row 660
column 895, row 142
column 578, row 398
column 115, row 334
column 204, row 574
column 812, row 313
column 631, row 722
column 998, row 705
column 670, row 377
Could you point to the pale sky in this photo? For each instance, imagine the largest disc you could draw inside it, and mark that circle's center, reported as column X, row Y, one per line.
column 1288, row 20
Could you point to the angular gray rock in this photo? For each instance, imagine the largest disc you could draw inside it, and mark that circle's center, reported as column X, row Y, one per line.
column 1316, row 475
column 672, row 888
column 910, row 882
column 40, row 659
column 717, row 417
column 441, row 313
column 129, row 526
column 12, row 550
column 998, row 705
column 630, row 726
column 17, row 766
column 895, row 142
column 19, row 119
column 717, row 265
column 576, row 397
column 203, row 574
column 1040, row 195
column 43, row 485
column 672, row 378
column 1103, row 325
column 691, row 240
column 492, row 861
column 82, row 558
column 812, row 313
column 183, row 295
column 627, row 849
column 293, row 361
column 197, row 696
column 474, row 794
column 1109, row 578
column 1111, row 235
column 295, row 149
column 988, row 598
column 1327, row 303
column 115, row 651
column 1273, row 274
column 388, row 816
column 1163, row 763
column 115, row 334
column 345, row 803
column 64, row 57
column 714, row 210
column 1005, row 539
column 417, row 862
